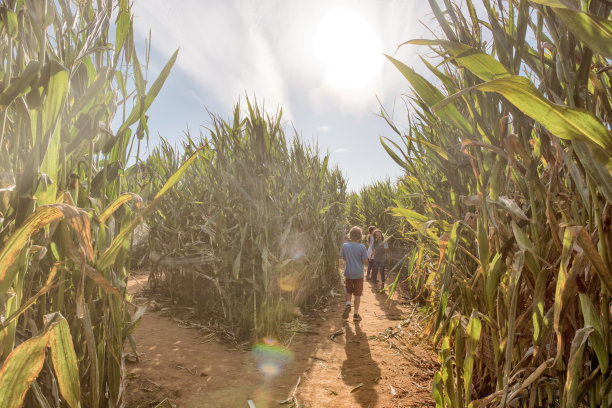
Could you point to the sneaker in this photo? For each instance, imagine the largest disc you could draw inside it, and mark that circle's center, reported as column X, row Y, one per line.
column 347, row 310
column 356, row 317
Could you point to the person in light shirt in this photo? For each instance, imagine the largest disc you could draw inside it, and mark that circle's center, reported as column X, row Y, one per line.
column 355, row 255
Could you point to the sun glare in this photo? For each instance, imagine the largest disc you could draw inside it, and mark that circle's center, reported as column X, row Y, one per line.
column 348, row 48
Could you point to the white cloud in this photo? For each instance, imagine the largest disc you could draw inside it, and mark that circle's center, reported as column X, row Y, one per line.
column 265, row 47
column 342, row 150
column 323, row 129
column 222, row 51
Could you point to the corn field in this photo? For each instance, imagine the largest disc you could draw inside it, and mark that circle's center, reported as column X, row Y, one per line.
column 505, row 205
column 509, row 152
column 372, row 206
column 65, row 216
column 255, row 227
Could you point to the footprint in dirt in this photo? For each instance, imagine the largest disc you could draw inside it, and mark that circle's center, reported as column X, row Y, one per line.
column 359, row 368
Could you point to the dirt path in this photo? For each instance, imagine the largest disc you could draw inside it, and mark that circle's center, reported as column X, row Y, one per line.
column 379, row 362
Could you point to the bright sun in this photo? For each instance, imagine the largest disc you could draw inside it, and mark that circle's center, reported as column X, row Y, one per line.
column 348, row 48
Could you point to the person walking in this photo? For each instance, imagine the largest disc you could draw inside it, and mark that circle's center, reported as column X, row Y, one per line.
column 355, row 255
column 371, row 230
column 380, row 249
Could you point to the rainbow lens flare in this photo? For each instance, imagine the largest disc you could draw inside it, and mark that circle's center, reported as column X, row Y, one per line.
column 270, row 357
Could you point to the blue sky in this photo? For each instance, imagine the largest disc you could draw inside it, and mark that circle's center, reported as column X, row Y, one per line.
column 321, row 61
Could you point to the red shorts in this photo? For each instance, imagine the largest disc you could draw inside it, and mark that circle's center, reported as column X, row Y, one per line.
column 354, row 286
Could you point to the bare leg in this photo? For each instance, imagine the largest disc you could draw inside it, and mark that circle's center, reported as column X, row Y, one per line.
column 348, row 297
column 347, row 308
column 357, row 300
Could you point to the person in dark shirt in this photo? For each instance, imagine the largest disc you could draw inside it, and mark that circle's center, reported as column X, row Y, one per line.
column 380, row 249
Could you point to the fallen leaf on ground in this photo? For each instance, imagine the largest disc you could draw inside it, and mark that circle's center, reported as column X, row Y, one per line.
column 357, row 387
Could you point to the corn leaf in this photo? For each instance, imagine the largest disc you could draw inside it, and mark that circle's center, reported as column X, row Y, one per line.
column 595, row 31
column 122, row 199
column 20, row 369
column 473, row 333
column 585, row 242
column 65, row 363
column 431, row 95
column 593, row 319
column 562, row 121
column 109, row 256
column 17, row 241
column 482, row 65
column 574, row 368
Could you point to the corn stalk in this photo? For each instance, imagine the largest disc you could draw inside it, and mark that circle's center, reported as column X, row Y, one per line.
column 509, row 148
column 262, row 213
column 65, row 217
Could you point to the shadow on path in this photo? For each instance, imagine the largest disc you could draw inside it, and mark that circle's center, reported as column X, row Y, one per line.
column 359, row 367
column 388, row 306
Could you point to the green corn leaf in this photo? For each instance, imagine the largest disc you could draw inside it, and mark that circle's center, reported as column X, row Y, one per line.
column 135, row 320
column 139, row 109
column 122, row 199
column 139, row 80
column 431, row 95
column 438, row 390
column 483, row 244
column 563, row 290
column 27, row 304
column 43, row 216
column 101, row 281
column 574, row 368
column 91, row 96
column 448, row 372
column 65, row 362
column 453, row 242
column 585, row 242
column 12, row 23
column 539, row 295
column 411, row 215
column 527, row 246
column 124, row 21
column 21, row 85
column 178, row 174
column 393, row 155
column 595, row 31
column 492, row 281
column 236, row 265
column 110, row 254
column 513, row 292
column 480, row 64
column 473, row 338
column 601, row 174
column 446, row 81
column 57, row 89
column 562, row 121
column 20, row 369
column 593, row 319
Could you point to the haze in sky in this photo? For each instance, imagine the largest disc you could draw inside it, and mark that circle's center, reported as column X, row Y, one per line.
column 321, row 61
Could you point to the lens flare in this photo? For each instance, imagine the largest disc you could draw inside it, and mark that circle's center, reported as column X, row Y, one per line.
column 296, row 253
column 287, row 283
column 270, row 357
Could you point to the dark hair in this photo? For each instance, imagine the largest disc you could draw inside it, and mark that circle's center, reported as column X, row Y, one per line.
column 381, row 234
column 355, row 234
column 371, row 229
